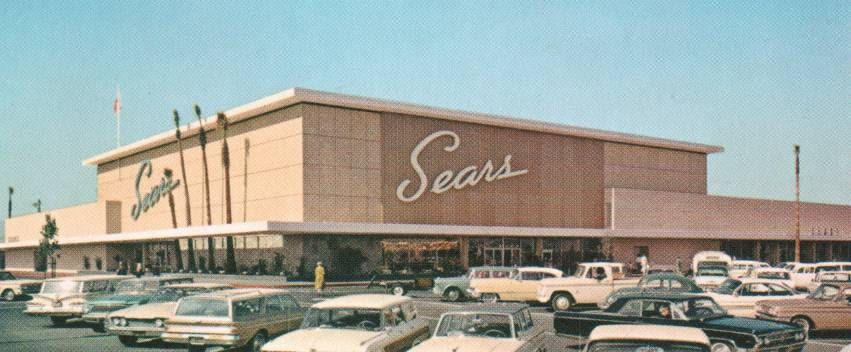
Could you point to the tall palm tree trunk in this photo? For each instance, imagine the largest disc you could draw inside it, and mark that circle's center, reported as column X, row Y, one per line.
column 230, row 259
column 211, row 245
column 175, row 243
column 190, row 245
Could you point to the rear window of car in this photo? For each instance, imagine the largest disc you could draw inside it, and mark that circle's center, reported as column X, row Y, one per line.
column 202, row 307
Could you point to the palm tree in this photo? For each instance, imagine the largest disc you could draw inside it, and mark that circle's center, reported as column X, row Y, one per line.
column 230, row 259
column 11, row 190
column 211, row 245
column 176, row 244
column 190, row 247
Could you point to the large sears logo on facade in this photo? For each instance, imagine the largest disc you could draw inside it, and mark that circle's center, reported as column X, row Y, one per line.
column 143, row 203
column 449, row 179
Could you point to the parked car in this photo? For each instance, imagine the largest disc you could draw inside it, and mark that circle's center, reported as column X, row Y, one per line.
column 486, row 327
column 833, row 266
column 234, row 318
column 454, row 289
column 521, row 285
column 369, row 322
column 12, row 288
column 589, row 285
column 780, row 276
column 802, row 274
column 711, row 258
column 829, row 277
column 740, row 267
column 608, row 338
column 148, row 320
column 400, row 285
column 709, row 277
column 827, row 308
column 655, row 283
column 130, row 293
column 64, row 298
column 726, row 333
column 786, row 265
column 739, row 297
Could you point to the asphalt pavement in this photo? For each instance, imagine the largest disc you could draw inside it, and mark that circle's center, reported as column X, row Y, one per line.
column 19, row 332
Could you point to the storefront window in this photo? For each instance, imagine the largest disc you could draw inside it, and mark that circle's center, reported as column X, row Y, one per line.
column 420, row 256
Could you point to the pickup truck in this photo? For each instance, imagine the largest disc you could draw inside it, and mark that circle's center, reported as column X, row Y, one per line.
column 589, row 285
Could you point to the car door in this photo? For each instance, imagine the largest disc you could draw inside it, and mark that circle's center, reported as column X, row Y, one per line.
column 526, row 288
column 294, row 312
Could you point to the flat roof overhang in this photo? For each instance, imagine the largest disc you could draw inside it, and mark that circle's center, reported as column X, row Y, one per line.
column 315, row 228
column 297, row 95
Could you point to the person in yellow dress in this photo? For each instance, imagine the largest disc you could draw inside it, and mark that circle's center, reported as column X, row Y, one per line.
column 319, row 281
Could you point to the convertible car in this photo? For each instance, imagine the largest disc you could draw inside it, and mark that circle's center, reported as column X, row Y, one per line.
column 726, row 333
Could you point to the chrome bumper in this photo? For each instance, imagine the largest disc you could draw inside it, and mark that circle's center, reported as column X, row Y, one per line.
column 200, row 339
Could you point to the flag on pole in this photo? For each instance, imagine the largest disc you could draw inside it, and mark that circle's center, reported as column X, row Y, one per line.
column 116, row 110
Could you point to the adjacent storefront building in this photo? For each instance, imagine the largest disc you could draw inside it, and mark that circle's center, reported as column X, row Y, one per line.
column 371, row 185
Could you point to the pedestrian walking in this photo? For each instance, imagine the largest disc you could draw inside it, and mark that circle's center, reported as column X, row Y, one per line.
column 319, row 278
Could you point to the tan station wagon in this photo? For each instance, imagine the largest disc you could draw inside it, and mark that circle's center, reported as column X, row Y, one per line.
column 365, row 323
column 232, row 318
column 64, row 298
column 521, row 285
column 828, row 308
column 148, row 320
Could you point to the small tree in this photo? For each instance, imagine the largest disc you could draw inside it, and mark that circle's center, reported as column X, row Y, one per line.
column 86, row 263
column 278, row 264
column 202, row 264
column 48, row 246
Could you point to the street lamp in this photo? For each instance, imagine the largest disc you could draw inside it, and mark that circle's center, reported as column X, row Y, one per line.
column 797, row 149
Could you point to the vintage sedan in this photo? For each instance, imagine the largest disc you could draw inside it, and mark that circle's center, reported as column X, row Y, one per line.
column 130, row 293
column 232, row 319
column 781, row 276
column 739, row 297
column 521, row 285
column 64, row 298
column 649, row 338
column 827, row 308
column 148, row 320
column 709, row 277
column 12, row 287
column 485, row 327
column 726, row 333
column 655, row 283
column 454, row 289
column 833, row 277
column 368, row 322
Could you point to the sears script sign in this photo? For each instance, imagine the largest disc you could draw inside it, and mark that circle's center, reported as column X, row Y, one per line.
column 149, row 199
column 449, row 179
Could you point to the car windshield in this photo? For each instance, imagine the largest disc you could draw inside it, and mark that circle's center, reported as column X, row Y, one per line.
column 203, row 307
column 728, row 286
column 6, row 276
column 644, row 346
column 135, row 286
column 475, row 324
column 580, row 271
column 61, row 287
column 773, row 275
column 701, row 308
column 711, row 271
column 343, row 318
column 825, row 292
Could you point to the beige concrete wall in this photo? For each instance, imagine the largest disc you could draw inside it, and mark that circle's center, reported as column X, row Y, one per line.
column 649, row 168
column 274, row 169
column 69, row 259
column 669, row 211
column 86, row 219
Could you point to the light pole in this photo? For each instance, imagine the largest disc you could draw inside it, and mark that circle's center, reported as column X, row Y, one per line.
column 797, row 204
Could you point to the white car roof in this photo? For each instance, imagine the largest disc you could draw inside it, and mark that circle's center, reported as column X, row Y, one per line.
column 556, row 272
column 85, row 278
column 750, row 280
column 770, row 270
column 367, row 301
column 649, row 332
column 832, row 263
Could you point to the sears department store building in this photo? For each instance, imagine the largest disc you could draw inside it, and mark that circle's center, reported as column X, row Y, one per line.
column 319, row 176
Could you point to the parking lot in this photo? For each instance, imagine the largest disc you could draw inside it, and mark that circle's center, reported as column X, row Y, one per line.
column 19, row 332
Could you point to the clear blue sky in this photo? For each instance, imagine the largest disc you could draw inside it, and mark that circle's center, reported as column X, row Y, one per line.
column 754, row 77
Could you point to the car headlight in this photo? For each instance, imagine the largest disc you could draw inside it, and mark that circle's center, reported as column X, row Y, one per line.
column 122, row 322
column 159, row 323
column 800, row 336
column 116, row 321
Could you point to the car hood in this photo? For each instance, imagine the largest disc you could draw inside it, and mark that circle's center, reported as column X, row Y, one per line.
column 120, row 299
column 755, row 326
column 146, row 311
column 468, row 344
column 19, row 282
column 322, row 340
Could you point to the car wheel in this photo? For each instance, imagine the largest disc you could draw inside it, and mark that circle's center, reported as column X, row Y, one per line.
column 58, row 320
column 397, row 290
column 721, row 347
column 99, row 327
column 257, row 342
column 128, row 341
column 490, row 297
column 452, row 294
column 804, row 323
column 561, row 302
column 8, row 295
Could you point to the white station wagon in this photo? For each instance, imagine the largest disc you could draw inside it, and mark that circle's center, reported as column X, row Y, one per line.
column 484, row 327
column 370, row 322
